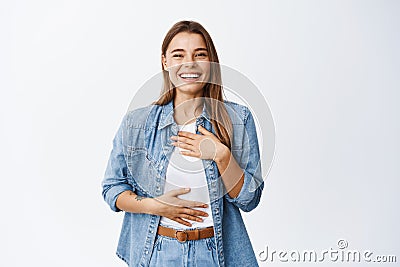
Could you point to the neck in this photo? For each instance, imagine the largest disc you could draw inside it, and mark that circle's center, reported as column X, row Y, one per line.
column 187, row 108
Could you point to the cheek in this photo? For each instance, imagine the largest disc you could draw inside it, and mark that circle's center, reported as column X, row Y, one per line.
column 173, row 72
column 173, row 80
column 173, row 62
column 206, row 67
column 207, row 76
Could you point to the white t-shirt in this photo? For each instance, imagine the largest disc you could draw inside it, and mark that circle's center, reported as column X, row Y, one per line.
column 185, row 171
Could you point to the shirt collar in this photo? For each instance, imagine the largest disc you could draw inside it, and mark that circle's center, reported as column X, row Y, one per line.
column 167, row 114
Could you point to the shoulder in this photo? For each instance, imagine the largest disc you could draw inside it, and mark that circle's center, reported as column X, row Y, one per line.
column 140, row 117
column 237, row 112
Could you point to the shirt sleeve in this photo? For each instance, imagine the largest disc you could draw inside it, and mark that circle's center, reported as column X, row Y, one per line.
column 115, row 178
column 250, row 193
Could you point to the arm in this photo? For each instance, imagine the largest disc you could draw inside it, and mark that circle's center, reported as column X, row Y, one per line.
column 232, row 174
column 130, row 202
column 245, row 184
column 115, row 179
column 168, row 205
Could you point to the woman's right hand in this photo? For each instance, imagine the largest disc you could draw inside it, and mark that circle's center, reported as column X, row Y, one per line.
column 171, row 206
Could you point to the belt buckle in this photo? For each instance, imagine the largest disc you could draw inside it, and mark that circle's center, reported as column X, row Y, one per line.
column 183, row 231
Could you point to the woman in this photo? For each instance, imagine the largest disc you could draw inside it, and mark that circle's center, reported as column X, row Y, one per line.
column 182, row 191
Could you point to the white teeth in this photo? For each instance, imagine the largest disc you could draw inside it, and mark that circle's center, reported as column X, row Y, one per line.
column 189, row 75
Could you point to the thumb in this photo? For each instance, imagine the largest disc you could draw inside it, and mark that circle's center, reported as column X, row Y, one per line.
column 204, row 130
column 180, row 191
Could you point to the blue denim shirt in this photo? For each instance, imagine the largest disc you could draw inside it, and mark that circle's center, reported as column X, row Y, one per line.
column 138, row 162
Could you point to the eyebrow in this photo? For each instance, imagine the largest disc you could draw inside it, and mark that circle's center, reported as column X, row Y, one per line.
column 182, row 50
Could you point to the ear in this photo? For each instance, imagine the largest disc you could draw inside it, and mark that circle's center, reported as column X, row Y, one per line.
column 164, row 62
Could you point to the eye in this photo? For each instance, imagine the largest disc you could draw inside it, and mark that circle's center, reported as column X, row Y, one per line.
column 201, row 55
column 177, row 55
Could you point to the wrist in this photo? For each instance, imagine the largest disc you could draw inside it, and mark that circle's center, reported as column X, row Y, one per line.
column 149, row 206
column 223, row 155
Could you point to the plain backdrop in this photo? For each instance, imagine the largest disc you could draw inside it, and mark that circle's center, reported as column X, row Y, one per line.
column 329, row 70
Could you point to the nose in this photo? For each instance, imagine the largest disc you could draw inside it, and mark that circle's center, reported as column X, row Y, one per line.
column 188, row 61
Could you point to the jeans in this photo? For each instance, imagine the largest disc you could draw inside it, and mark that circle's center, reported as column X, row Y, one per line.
column 168, row 251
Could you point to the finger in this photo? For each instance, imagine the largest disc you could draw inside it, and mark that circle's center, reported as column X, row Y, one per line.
column 186, row 134
column 183, row 145
column 182, row 139
column 193, row 212
column 179, row 191
column 179, row 220
column 193, row 204
column 204, row 130
column 191, row 217
column 191, row 154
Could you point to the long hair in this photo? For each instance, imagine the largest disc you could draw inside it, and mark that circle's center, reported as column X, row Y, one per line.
column 212, row 91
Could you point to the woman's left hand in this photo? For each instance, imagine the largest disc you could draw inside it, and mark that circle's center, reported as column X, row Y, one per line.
column 205, row 146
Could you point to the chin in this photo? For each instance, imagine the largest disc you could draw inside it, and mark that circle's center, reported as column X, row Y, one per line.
column 190, row 88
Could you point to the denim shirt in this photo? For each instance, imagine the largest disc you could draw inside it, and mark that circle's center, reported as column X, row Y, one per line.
column 138, row 162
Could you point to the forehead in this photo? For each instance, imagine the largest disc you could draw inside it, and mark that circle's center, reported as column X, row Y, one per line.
column 187, row 41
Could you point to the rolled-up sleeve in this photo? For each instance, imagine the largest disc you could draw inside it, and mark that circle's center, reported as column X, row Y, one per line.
column 250, row 193
column 115, row 178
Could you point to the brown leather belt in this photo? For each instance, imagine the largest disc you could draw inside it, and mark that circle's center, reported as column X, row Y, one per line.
column 184, row 235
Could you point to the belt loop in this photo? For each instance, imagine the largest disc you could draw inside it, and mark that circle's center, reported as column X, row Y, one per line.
column 197, row 233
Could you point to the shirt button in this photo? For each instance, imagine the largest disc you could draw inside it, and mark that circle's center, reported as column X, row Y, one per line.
column 147, row 252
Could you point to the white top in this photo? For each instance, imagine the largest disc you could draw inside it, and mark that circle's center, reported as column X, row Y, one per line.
column 185, row 171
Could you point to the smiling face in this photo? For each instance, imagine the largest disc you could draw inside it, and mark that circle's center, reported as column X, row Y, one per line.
column 187, row 62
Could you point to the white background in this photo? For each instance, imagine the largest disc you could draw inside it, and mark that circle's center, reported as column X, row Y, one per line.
column 329, row 70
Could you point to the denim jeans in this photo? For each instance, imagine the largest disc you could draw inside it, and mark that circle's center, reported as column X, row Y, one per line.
column 168, row 251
